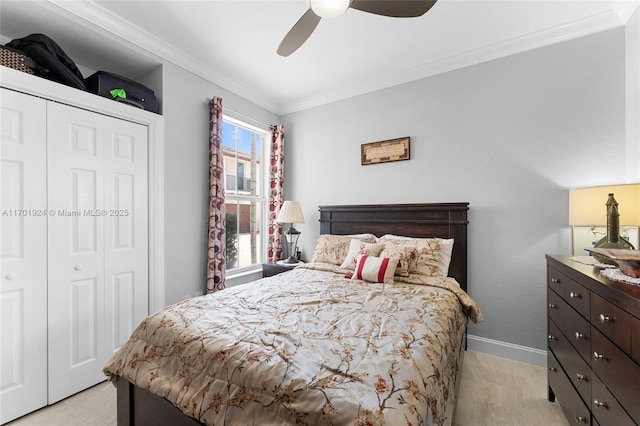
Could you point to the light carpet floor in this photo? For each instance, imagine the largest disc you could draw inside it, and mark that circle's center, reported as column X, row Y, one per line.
column 493, row 392
column 499, row 392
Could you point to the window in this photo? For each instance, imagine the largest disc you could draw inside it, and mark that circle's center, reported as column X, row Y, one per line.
column 241, row 180
column 246, row 171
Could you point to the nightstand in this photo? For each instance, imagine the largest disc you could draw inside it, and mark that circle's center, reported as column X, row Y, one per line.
column 273, row 268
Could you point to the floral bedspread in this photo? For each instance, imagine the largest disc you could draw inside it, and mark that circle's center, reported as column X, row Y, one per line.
column 305, row 347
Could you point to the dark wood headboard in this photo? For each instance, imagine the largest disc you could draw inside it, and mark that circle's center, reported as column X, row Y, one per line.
column 439, row 220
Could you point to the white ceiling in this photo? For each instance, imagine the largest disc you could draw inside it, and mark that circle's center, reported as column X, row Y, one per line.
column 233, row 43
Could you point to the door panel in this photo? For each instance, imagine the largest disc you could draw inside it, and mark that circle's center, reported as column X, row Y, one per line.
column 83, row 326
column 23, row 257
column 126, row 231
column 98, row 277
column 84, row 225
column 76, row 254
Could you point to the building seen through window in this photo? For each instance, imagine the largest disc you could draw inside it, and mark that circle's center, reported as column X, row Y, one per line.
column 245, row 177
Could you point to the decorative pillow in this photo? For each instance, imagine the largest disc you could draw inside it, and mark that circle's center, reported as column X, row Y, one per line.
column 433, row 254
column 375, row 269
column 334, row 248
column 357, row 247
column 403, row 253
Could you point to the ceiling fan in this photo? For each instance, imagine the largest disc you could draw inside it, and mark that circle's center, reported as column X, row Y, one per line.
column 319, row 9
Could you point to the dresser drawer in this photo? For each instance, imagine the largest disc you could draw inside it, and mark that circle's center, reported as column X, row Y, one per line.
column 575, row 294
column 635, row 338
column 618, row 371
column 556, row 307
column 578, row 297
column 556, row 280
column 606, row 408
column 612, row 321
column 574, row 409
column 576, row 329
column 575, row 367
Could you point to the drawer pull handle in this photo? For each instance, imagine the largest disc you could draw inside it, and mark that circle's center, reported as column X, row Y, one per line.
column 552, row 337
column 599, row 404
column 579, row 419
column 598, row 357
column 575, row 295
column 555, row 280
column 552, row 306
column 552, row 369
column 604, row 319
column 579, row 377
column 579, row 335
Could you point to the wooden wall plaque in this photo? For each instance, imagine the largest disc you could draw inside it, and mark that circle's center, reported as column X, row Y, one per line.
column 385, row 151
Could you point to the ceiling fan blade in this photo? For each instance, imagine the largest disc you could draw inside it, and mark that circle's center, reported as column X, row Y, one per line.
column 394, row 8
column 299, row 33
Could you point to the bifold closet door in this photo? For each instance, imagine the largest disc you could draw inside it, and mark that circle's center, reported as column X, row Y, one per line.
column 98, row 242
column 23, row 261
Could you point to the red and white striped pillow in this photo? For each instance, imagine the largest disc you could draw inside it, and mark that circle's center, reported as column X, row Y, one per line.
column 375, row 269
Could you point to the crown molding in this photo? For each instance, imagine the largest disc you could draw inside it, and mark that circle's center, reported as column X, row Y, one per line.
column 591, row 25
column 624, row 9
column 113, row 27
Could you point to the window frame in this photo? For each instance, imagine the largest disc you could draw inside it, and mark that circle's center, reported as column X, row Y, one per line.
column 263, row 189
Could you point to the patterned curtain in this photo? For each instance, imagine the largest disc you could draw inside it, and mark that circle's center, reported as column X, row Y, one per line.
column 276, row 192
column 216, row 254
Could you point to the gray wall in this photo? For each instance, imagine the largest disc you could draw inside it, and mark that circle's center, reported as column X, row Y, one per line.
column 509, row 136
column 186, row 118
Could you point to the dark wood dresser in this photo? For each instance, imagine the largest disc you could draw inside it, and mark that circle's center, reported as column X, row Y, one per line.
column 593, row 351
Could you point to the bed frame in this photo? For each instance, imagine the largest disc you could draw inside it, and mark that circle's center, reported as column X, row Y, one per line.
column 139, row 407
column 441, row 220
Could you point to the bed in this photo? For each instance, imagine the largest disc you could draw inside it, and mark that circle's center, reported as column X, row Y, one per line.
column 324, row 343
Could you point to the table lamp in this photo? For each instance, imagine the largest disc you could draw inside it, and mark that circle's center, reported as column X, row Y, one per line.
column 291, row 213
column 612, row 206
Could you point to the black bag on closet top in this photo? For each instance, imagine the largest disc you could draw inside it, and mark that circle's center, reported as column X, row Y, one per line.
column 53, row 63
column 122, row 89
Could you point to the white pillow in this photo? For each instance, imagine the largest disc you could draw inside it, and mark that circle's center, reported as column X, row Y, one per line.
column 446, row 248
column 357, row 247
column 375, row 269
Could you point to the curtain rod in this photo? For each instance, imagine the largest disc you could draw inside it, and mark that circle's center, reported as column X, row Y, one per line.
column 268, row 126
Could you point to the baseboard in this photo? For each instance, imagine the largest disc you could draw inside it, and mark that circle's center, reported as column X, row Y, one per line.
column 507, row 350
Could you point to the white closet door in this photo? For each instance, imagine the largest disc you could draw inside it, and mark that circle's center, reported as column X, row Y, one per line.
column 23, row 260
column 98, row 254
column 126, row 232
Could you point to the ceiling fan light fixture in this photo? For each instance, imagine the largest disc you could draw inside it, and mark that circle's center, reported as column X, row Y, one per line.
column 329, row 8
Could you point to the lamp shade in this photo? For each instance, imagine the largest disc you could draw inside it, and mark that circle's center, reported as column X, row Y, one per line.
column 290, row 212
column 587, row 205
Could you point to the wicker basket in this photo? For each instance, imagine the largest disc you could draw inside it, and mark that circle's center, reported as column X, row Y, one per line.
column 17, row 60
